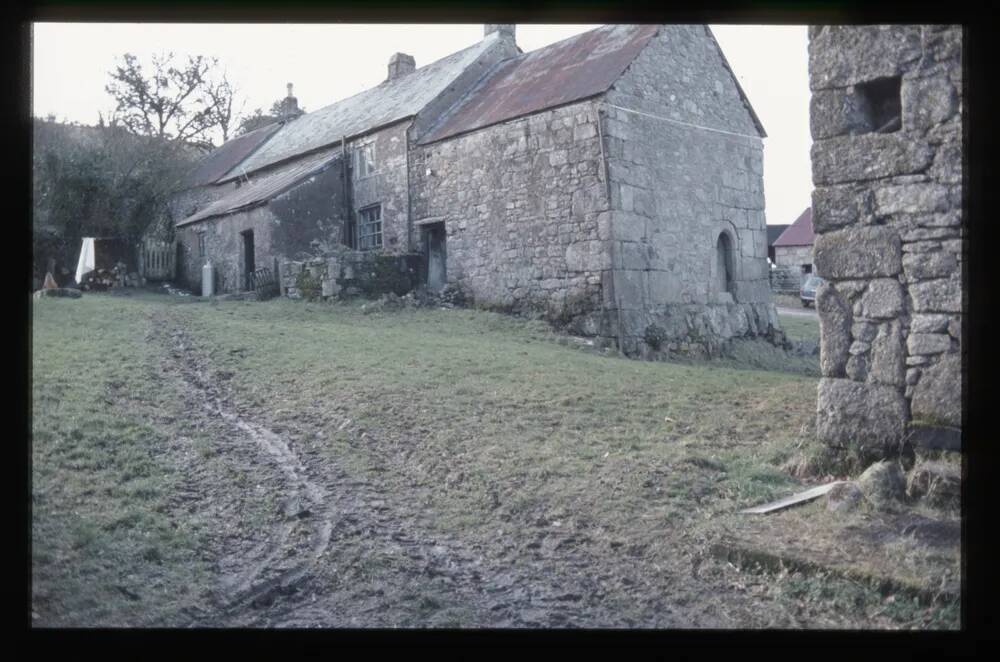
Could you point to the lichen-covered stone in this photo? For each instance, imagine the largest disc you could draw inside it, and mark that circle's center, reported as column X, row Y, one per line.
column 927, row 101
column 883, row 484
column 928, row 343
column 888, row 355
column 834, row 328
column 883, row 299
column 928, row 323
column 866, row 157
column 834, row 207
column 858, row 252
column 942, row 295
column 938, row 395
column 867, row 418
column 844, row 55
column 924, row 266
column 837, row 112
column 911, row 199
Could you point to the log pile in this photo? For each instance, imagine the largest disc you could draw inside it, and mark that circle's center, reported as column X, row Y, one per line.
column 102, row 279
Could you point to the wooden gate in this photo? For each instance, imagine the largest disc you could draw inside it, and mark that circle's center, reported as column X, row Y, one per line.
column 158, row 259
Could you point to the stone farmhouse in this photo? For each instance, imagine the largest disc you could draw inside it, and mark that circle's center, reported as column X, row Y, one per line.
column 612, row 181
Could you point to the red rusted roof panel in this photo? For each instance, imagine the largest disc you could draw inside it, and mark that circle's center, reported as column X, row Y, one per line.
column 567, row 71
column 229, row 155
column 799, row 233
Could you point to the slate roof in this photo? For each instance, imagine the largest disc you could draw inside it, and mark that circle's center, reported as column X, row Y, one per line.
column 799, row 233
column 261, row 189
column 566, row 71
column 228, row 156
column 389, row 102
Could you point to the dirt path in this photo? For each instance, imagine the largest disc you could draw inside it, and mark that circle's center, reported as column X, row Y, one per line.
column 328, row 550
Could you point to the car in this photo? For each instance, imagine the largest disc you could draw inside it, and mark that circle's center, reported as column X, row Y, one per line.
column 807, row 293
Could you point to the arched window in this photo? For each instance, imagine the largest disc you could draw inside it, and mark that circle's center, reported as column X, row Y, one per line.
column 724, row 263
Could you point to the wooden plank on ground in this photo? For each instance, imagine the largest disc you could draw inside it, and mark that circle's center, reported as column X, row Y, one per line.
column 801, row 497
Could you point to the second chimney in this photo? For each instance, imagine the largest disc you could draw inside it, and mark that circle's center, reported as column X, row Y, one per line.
column 502, row 29
column 401, row 64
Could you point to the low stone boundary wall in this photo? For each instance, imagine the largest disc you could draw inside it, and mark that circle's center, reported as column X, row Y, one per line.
column 351, row 273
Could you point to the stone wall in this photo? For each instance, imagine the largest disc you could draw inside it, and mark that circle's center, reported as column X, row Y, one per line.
column 886, row 119
column 224, row 249
column 522, row 203
column 793, row 256
column 388, row 186
column 304, row 220
column 344, row 273
column 685, row 166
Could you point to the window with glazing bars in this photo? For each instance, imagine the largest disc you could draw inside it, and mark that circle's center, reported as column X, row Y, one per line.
column 370, row 228
column 364, row 160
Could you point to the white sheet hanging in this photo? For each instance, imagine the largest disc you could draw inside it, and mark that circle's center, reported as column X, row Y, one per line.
column 86, row 263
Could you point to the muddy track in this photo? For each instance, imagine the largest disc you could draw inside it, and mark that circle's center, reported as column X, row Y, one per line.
column 265, row 580
column 307, row 563
column 287, row 552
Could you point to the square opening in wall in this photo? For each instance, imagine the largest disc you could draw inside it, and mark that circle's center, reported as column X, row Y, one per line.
column 881, row 104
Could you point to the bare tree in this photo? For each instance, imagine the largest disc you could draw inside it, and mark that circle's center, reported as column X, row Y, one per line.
column 223, row 96
column 174, row 101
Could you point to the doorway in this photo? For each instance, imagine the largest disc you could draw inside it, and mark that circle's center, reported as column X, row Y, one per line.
column 249, row 266
column 437, row 255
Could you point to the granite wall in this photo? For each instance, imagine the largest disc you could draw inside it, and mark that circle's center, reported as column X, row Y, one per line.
column 687, row 229
column 886, row 120
column 525, row 212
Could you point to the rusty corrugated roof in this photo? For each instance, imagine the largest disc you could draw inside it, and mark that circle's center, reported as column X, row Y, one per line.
column 229, row 155
column 264, row 187
column 799, row 233
column 567, row 71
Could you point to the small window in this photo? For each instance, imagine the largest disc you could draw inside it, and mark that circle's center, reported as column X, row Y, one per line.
column 370, row 228
column 201, row 244
column 723, row 264
column 364, row 161
column 881, row 104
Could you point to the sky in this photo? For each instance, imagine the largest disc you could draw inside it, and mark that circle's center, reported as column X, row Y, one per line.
column 329, row 62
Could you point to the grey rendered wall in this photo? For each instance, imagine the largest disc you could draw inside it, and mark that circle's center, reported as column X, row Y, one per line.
column 525, row 211
column 888, row 218
column 676, row 185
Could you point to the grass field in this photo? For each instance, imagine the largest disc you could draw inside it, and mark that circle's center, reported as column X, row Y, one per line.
column 478, row 426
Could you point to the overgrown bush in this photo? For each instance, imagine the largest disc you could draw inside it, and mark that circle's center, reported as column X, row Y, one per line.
column 382, row 274
column 654, row 335
column 309, row 286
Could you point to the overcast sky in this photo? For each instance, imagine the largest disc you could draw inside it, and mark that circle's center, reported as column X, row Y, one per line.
column 329, row 62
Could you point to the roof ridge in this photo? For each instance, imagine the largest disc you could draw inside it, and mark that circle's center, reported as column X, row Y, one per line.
column 395, row 81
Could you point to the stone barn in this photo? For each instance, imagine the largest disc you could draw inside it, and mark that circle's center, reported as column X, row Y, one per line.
column 612, row 181
column 793, row 249
column 886, row 120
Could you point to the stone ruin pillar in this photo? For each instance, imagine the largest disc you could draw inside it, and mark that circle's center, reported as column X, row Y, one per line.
column 886, row 120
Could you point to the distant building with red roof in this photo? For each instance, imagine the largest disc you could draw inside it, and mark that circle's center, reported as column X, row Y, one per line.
column 794, row 248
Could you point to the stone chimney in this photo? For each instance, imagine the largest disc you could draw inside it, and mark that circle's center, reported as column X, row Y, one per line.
column 289, row 107
column 401, row 64
column 503, row 30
